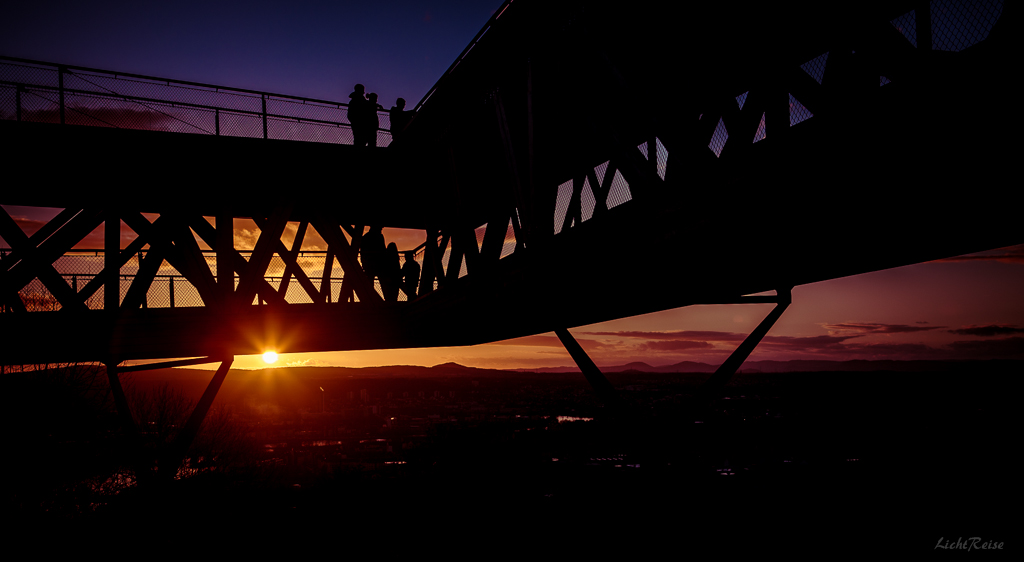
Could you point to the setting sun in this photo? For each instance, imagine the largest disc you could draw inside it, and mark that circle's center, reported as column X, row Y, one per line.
column 269, row 357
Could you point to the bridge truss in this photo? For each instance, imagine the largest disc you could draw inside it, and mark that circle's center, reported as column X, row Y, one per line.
column 550, row 192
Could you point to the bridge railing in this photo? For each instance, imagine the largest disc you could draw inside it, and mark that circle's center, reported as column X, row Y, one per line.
column 170, row 289
column 36, row 91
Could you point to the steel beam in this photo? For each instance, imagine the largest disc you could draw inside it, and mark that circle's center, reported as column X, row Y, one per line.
column 172, row 460
column 124, row 412
column 594, row 376
column 713, row 386
column 167, row 364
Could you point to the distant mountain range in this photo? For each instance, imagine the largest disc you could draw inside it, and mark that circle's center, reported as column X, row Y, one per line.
column 294, row 385
column 456, row 370
column 800, row 366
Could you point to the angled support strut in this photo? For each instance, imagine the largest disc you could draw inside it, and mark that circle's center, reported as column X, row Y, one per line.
column 713, row 386
column 169, row 464
column 594, row 376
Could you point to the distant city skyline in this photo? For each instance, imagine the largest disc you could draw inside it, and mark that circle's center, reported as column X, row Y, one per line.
column 966, row 308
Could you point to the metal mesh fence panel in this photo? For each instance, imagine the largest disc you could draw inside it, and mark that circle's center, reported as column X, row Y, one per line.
column 37, row 298
column 479, row 233
column 662, row 154
column 310, row 111
column 240, row 125
column 587, row 200
column 759, row 135
column 445, row 256
column 296, row 294
column 289, row 129
column 169, row 288
column 601, row 170
column 907, row 25
column 383, row 138
column 157, row 90
column 719, row 138
column 40, row 106
column 797, row 112
column 9, row 102
column 562, row 204
column 509, row 244
column 172, row 291
column 741, row 99
column 815, row 67
column 38, row 92
column 958, row 24
column 618, row 193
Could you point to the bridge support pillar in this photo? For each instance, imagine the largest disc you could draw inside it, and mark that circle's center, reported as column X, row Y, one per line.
column 713, row 386
column 120, row 400
column 594, row 376
column 176, row 454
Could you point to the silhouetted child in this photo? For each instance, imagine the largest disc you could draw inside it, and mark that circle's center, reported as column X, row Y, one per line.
column 399, row 118
column 372, row 120
column 410, row 275
column 371, row 252
column 390, row 274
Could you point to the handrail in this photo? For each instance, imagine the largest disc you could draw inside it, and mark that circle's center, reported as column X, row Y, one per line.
column 476, row 39
column 88, row 96
column 168, row 81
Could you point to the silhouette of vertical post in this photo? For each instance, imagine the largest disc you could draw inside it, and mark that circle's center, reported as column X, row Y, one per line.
column 225, row 244
column 124, row 413
column 111, row 265
column 111, row 301
column 60, row 87
column 264, row 98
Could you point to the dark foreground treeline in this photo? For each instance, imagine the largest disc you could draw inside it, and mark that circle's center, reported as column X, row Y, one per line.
column 925, row 452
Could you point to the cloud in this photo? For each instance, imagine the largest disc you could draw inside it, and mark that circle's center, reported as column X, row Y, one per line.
column 553, row 341
column 1005, row 348
column 246, row 234
column 675, row 345
column 988, row 331
column 1010, row 254
column 689, row 335
column 27, row 225
column 404, row 238
column 539, row 341
column 897, row 351
column 876, row 328
column 133, row 117
column 812, row 344
column 93, row 240
column 307, row 363
column 846, row 342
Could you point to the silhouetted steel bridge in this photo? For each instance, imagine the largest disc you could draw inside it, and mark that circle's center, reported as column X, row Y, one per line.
column 579, row 162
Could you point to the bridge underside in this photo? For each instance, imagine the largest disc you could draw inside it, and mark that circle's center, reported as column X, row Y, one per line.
column 880, row 176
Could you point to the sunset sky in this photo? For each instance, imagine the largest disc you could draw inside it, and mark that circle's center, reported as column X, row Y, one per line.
column 962, row 308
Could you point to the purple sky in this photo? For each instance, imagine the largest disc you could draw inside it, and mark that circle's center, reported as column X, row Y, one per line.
column 310, row 49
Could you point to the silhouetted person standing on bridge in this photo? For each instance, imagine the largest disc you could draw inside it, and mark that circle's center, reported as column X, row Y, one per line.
column 357, row 114
column 372, row 120
column 390, row 274
column 371, row 251
column 410, row 275
column 399, row 118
